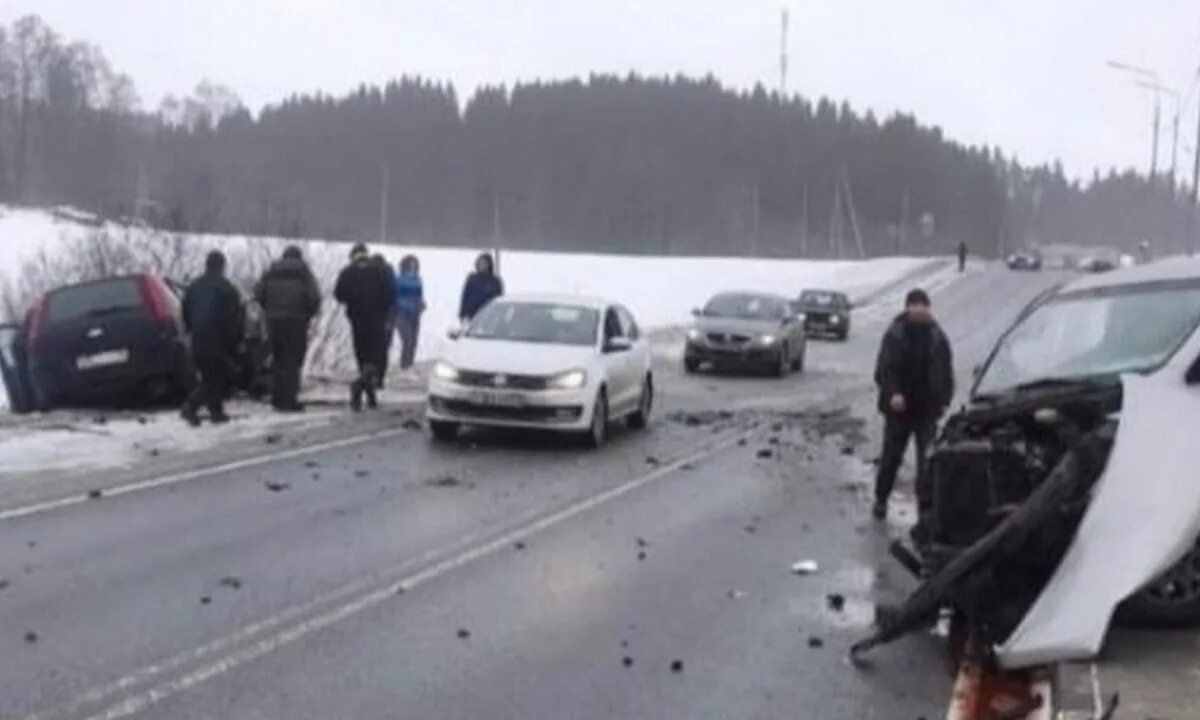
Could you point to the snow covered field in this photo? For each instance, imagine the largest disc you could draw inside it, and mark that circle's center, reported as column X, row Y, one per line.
column 39, row 249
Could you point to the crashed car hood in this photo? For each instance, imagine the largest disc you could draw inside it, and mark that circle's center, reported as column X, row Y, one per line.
column 1143, row 517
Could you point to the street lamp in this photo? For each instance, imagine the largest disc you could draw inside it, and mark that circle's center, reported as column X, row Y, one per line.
column 1160, row 89
column 1145, row 75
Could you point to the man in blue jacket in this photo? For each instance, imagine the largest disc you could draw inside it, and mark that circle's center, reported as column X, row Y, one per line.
column 481, row 287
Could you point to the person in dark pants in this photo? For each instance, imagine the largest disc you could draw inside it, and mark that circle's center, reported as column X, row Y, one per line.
column 410, row 304
column 915, row 376
column 389, row 323
column 481, row 287
column 290, row 298
column 366, row 291
column 213, row 316
column 962, row 256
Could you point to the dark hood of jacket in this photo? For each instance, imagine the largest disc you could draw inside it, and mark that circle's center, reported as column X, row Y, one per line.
column 915, row 360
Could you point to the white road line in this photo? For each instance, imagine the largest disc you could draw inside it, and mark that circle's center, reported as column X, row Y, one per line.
column 365, row 600
column 175, row 478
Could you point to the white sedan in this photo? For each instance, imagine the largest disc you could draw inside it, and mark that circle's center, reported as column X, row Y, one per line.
column 559, row 363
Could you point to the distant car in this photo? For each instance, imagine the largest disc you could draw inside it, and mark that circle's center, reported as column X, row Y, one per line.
column 1095, row 264
column 549, row 362
column 747, row 330
column 111, row 341
column 1024, row 260
column 826, row 312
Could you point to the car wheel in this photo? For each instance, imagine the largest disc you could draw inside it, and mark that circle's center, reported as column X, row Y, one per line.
column 1172, row 600
column 443, row 431
column 798, row 363
column 598, row 432
column 641, row 417
column 690, row 365
column 785, row 362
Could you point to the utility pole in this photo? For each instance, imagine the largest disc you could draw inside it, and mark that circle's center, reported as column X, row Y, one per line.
column 804, row 219
column 1154, row 148
column 902, row 236
column 383, row 202
column 783, row 54
column 756, row 220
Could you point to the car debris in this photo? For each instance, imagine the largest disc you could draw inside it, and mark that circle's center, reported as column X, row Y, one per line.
column 677, row 666
column 627, row 661
column 95, row 494
column 815, row 642
column 31, row 637
column 764, row 454
column 805, row 567
column 464, row 634
column 836, row 602
column 230, row 582
column 3, row 584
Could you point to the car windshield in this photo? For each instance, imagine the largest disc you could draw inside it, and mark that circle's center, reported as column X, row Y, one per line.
column 93, row 299
column 536, row 323
column 746, row 307
column 818, row 298
column 1095, row 334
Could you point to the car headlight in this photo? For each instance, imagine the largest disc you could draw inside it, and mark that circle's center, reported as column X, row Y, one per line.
column 443, row 370
column 693, row 334
column 834, row 319
column 569, row 380
column 768, row 339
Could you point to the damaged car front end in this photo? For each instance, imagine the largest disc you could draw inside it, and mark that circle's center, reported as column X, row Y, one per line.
column 1072, row 451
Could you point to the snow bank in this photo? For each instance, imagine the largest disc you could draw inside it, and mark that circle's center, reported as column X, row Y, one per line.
column 41, row 248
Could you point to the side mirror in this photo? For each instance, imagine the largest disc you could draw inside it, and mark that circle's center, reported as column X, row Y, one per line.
column 454, row 333
column 618, row 344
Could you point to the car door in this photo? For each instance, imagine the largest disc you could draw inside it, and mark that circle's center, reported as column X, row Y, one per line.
column 616, row 362
column 639, row 355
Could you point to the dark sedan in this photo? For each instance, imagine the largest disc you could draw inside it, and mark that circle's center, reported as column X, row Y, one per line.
column 1024, row 261
column 746, row 330
column 826, row 312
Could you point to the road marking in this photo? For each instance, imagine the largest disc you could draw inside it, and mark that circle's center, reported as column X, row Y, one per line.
column 175, row 478
column 353, row 598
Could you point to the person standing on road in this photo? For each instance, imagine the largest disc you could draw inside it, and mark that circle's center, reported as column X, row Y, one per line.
column 214, row 318
column 410, row 304
column 366, row 291
column 290, row 298
column 915, row 376
column 962, row 256
column 481, row 287
column 390, row 323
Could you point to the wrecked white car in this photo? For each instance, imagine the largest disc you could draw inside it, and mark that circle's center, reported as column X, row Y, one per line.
column 1067, row 489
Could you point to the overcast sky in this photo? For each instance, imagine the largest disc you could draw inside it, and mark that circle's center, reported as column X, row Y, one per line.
column 1027, row 75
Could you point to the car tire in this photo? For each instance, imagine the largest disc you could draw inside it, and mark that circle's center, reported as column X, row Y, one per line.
column 690, row 365
column 597, row 433
column 641, row 417
column 1172, row 600
column 443, row 430
column 784, row 366
column 798, row 363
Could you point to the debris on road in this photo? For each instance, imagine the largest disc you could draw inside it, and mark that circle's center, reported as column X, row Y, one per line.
column 642, row 542
column 742, row 442
column 653, row 461
column 3, row 584
column 411, row 424
column 805, row 567
column 205, row 600
column 463, row 633
column 94, row 494
column 31, row 637
column 230, row 582
column 519, row 545
column 750, row 529
column 764, row 454
column 815, row 642
column 642, row 555
column 443, row 481
column 836, row 602
column 627, row 661
column 316, row 477
column 272, row 439
column 362, row 473
column 676, row 666
column 277, row 486
column 310, row 464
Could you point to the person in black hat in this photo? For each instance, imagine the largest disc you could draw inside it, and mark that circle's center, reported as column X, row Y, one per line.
column 915, row 376
column 290, row 299
column 365, row 289
column 214, row 317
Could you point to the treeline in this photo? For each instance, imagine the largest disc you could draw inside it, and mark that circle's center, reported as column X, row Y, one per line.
column 611, row 164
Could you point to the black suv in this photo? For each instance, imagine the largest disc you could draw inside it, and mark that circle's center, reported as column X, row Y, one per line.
column 826, row 312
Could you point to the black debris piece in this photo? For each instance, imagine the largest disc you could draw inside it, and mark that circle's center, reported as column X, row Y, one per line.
column 848, row 450
column 764, row 453
column 362, row 473
column 750, row 529
column 776, row 426
column 277, row 486
column 310, row 464
column 742, row 442
column 31, row 637
column 154, row 452
column 401, row 590
column 773, row 441
column 652, row 461
column 687, row 466
column 836, row 602
column 815, row 642
column 463, row 633
column 3, row 584
column 519, row 545
column 94, row 494
column 316, row 476
column 676, row 666
column 627, row 661
column 205, row 600
column 411, row 424
column 231, row 583
column 642, row 542
column 143, row 420
column 443, row 481
column 642, row 555
column 273, row 439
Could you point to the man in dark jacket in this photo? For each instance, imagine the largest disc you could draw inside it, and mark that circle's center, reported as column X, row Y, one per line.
column 481, row 287
column 962, row 256
column 366, row 290
column 213, row 316
column 390, row 323
column 290, row 298
column 915, row 376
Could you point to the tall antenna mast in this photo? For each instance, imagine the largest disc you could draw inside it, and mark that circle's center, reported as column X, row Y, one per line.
column 783, row 53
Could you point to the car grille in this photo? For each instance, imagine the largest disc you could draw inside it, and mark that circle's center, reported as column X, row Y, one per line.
column 531, row 413
column 504, row 380
column 731, row 339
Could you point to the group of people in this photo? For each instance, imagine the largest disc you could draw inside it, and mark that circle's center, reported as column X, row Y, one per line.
column 380, row 303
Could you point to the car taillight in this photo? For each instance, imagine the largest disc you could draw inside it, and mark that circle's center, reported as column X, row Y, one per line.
column 36, row 321
column 155, row 295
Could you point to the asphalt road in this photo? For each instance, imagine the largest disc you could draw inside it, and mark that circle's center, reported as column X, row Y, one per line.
column 504, row 576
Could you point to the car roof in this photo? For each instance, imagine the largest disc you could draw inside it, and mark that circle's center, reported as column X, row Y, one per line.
column 1176, row 268
column 819, row 291
column 96, row 281
column 751, row 293
column 587, row 301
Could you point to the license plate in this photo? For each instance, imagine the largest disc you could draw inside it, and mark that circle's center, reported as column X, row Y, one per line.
column 104, row 359
column 497, row 399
